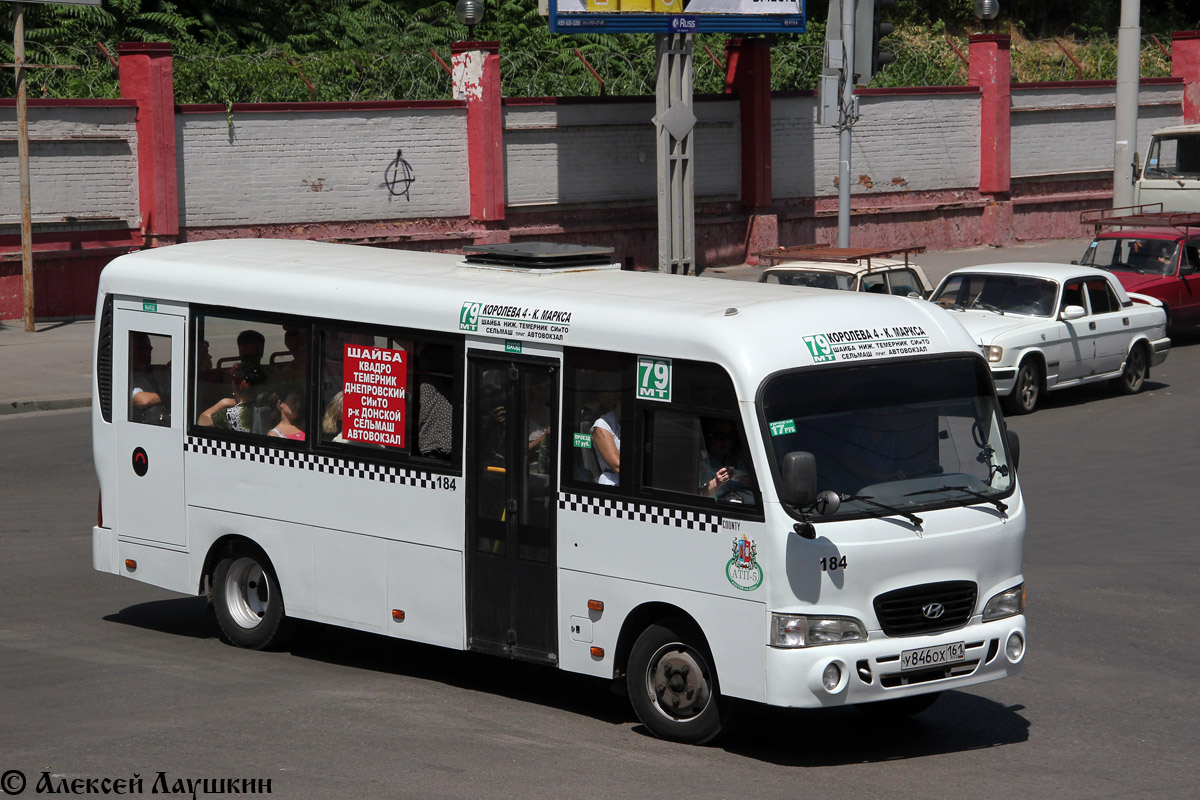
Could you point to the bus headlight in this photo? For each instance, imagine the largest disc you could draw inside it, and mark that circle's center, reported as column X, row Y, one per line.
column 1008, row 603
column 791, row 630
column 995, row 353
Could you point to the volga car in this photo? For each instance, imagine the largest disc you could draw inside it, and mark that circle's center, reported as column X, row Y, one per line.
column 1050, row 326
column 1153, row 254
column 879, row 275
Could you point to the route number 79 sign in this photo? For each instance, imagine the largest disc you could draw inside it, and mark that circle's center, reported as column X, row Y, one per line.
column 654, row 379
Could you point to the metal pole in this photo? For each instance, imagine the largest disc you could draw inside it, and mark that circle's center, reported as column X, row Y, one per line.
column 845, row 115
column 23, row 161
column 1129, row 50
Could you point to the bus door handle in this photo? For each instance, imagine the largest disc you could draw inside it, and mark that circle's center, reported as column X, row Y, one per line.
column 512, row 506
column 1091, row 326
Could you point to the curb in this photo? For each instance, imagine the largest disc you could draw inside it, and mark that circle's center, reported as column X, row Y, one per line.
column 48, row 404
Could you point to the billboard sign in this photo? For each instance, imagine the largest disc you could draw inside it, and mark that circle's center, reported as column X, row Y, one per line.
column 677, row 16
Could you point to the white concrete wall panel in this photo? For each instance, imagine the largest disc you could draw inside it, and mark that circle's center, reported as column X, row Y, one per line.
column 901, row 142
column 82, row 166
column 272, row 168
column 593, row 153
column 1069, row 130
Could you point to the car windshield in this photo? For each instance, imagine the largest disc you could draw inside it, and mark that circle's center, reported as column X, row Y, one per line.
column 1132, row 254
column 1008, row 294
column 905, row 436
column 815, row 278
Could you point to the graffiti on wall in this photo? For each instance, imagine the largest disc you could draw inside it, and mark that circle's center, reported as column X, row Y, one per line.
column 399, row 176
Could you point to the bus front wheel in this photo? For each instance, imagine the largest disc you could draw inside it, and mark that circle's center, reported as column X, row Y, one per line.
column 248, row 602
column 672, row 685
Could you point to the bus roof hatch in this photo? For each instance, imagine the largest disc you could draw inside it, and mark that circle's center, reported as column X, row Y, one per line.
column 539, row 256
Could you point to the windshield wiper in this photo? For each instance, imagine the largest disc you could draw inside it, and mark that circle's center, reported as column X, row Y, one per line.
column 913, row 518
column 987, row 306
column 997, row 502
column 1123, row 265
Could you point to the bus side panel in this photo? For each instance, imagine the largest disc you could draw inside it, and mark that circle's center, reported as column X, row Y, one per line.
column 426, row 584
column 288, row 546
column 735, row 628
column 157, row 566
column 351, row 585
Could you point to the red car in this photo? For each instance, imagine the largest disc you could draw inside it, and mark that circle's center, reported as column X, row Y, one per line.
column 1156, row 255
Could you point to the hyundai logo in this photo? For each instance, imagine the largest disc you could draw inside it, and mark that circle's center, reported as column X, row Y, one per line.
column 933, row 610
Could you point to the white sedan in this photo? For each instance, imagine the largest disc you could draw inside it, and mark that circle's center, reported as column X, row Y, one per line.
column 1049, row 326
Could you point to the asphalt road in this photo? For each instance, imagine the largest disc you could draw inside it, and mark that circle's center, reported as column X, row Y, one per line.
column 102, row 677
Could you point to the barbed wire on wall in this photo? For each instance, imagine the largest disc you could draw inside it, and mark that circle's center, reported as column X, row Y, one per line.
column 922, row 59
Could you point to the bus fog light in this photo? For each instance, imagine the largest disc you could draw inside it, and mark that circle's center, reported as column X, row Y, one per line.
column 1008, row 603
column 832, row 676
column 1014, row 648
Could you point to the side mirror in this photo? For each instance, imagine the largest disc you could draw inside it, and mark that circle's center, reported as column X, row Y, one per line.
column 1072, row 312
column 1186, row 268
column 799, row 479
column 1014, row 447
column 1137, row 166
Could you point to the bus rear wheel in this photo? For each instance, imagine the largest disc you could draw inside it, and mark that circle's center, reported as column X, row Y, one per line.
column 672, row 685
column 248, row 602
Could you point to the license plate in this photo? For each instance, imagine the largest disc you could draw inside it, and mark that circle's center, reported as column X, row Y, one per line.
column 924, row 657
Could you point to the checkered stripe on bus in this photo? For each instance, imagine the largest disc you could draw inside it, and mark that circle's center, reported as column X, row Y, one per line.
column 290, row 458
column 640, row 512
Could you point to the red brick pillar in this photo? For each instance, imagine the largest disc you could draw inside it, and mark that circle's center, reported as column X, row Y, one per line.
column 477, row 81
column 147, row 75
column 991, row 70
column 1185, row 63
column 748, row 74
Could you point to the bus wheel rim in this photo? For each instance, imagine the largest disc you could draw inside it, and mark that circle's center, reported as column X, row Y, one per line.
column 677, row 682
column 247, row 593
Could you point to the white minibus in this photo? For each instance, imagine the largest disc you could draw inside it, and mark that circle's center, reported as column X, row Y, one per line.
column 706, row 490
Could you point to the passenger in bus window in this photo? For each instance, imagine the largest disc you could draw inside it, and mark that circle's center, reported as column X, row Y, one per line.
column 251, row 345
column 722, row 468
column 236, row 413
column 331, row 421
column 290, row 404
column 606, row 438
column 295, row 339
column 435, row 412
column 148, row 396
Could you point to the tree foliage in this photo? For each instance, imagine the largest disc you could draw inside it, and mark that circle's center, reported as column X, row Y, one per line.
column 241, row 51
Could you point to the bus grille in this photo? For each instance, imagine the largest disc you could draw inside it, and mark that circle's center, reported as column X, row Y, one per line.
column 900, row 611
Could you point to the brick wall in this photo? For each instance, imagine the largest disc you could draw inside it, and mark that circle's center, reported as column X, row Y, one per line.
column 82, row 167
column 1067, row 129
column 581, row 153
column 294, row 167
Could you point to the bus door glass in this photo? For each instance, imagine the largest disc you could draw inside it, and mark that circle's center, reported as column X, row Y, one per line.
column 149, row 362
column 512, row 470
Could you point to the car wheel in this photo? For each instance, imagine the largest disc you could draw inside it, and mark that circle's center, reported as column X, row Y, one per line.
column 1134, row 376
column 1026, row 391
column 900, row 708
column 248, row 602
column 672, row 685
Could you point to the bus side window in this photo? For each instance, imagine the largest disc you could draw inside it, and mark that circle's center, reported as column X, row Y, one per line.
column 149, row 379
column 698, row 449
column 235, row 386
column 594, row 386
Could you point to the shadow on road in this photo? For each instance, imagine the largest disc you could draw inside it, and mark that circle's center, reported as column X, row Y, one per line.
column 956, row 723
column 184, row 616
column 824, row 737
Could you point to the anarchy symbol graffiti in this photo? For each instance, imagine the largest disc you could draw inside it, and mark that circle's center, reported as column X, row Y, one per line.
column 398, row 176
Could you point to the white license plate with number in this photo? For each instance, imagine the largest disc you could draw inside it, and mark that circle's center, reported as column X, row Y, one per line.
column 924, row 657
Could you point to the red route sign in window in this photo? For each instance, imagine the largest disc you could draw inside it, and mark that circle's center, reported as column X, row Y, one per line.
column 374, row 396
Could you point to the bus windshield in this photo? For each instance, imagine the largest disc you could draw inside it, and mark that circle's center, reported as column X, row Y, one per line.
column 901, row 435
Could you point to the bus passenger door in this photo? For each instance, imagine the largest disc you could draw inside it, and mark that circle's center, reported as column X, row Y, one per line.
column 149, row 409
column 512, row 471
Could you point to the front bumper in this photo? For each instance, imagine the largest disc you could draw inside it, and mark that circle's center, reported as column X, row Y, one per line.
column 871, row 669
column 1005, row 379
